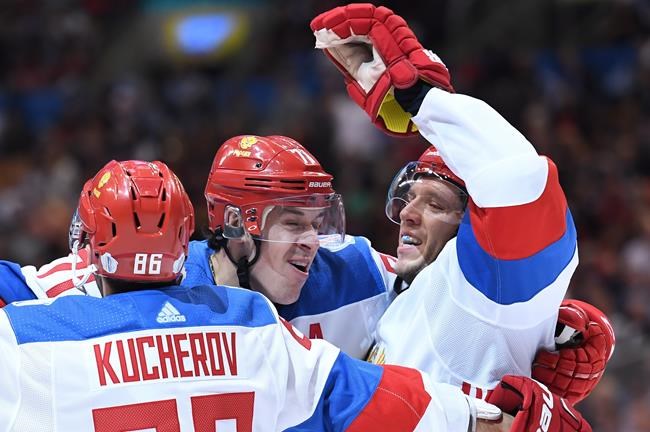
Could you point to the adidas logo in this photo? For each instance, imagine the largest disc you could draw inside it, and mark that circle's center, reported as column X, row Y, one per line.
column 169, row 313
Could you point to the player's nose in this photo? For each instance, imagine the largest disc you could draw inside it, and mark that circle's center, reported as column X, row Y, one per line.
column 308, row 240
column 410, row 214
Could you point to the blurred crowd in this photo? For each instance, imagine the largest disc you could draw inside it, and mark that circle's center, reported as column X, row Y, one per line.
column 68, row 105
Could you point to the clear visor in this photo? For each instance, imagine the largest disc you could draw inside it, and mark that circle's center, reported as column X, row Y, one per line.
column 317, row 219
column 419, row 187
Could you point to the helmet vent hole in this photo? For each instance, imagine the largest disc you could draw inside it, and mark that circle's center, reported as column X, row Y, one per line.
column 161, row 221
column 114, row 229
column 133, row 196
column 292, row 184
column 136, row 219
column 164, row 195
column 258, row 165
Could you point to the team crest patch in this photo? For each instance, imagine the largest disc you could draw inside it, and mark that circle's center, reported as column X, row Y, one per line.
column 247, row 142
column 102, row 181
column 244, row 146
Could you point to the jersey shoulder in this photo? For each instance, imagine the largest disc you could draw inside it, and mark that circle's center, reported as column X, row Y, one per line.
column 84, row 317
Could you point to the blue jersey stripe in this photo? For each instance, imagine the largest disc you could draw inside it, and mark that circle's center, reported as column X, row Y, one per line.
column 348, row 389
column 73, row 318
column 511, row 281
column 13, row 286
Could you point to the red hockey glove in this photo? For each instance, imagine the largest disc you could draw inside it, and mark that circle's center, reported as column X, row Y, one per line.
column 377, row 51
column 535, row 408
column 585, row 344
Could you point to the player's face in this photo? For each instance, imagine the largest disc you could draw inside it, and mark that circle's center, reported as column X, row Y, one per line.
column 429, row 219
column 286, row 255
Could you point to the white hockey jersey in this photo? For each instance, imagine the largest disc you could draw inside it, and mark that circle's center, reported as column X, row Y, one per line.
column 490, row 300
column 197, row 359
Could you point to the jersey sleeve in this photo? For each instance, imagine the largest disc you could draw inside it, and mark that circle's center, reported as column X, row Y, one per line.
column 327, row 390
column 9, row 375
column 13, row 285
column 517, row 241
column 56, row 278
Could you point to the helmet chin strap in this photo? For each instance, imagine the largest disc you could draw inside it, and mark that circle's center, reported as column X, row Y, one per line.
column 243, row 265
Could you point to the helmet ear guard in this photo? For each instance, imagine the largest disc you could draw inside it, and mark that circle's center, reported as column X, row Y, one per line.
column 233, row 224
column 77, row 237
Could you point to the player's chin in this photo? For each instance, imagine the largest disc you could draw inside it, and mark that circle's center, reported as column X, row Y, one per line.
column 408, row 267
column 291, row 285
column 289, row 295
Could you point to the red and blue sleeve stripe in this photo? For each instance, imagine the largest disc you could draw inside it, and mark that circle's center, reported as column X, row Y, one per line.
column 360, row 396
column 510, row 254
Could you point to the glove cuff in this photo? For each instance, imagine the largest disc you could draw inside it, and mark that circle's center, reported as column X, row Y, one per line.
column 410, row 99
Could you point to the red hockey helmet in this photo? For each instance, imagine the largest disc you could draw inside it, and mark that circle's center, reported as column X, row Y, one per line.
column 137, row 220
column 429, row 165
column 251, row 175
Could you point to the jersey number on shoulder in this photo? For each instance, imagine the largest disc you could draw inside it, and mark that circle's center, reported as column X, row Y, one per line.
column 147, row 263
column 162, row 415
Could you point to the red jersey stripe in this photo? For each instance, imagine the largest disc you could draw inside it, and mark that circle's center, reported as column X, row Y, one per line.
column 517, row 232
column 398, row 386
column 67, row 266
column 64, row 286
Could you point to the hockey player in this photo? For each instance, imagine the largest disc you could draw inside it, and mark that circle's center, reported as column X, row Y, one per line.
column 494, row 275
column 583, row 335
column 154, row 355
column 276, row 226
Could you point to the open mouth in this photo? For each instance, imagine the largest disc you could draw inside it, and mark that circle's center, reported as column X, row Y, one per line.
column 301, row 267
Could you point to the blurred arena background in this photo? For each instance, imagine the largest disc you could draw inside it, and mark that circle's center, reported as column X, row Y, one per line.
column 83, row 82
